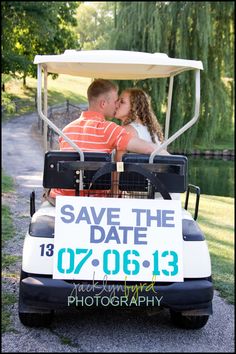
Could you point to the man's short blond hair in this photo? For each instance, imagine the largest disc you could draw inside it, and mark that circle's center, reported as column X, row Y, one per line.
column 99, row 87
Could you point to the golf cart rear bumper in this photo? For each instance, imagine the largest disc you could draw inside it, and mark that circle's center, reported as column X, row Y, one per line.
column 47, row 293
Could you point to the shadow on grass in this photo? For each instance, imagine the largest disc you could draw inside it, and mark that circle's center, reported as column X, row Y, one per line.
column 207, row 222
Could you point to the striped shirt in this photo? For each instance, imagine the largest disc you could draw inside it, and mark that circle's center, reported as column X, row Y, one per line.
column 91, row 132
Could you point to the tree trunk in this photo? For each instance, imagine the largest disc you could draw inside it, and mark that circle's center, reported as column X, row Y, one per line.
column 24, row 81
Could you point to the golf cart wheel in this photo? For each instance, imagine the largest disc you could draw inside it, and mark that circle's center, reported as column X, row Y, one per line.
column 36, row 319
column 188, row 322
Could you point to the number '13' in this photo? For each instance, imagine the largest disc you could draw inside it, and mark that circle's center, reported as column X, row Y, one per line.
column 172, row 263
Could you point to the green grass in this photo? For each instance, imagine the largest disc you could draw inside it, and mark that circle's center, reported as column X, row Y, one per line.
column 216, row 220
column 8, row 259
column 65, row 340
column 7, row 183
column 8, row 300
column 7, row 224
column 59, row 90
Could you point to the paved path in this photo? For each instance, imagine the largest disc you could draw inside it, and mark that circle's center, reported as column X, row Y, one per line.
column 98, row 330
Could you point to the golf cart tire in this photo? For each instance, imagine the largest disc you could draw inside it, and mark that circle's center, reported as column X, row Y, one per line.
column 188, row 322
column 36, row 319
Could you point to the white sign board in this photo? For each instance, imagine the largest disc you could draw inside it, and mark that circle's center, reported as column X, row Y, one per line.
column 122, row 239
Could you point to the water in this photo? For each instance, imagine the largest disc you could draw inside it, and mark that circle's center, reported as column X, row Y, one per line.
column 213, row 176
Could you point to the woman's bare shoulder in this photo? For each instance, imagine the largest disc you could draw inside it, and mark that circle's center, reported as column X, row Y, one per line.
column 131, row 129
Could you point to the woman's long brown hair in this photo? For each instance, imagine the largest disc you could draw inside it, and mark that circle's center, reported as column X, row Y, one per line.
column 141, row 108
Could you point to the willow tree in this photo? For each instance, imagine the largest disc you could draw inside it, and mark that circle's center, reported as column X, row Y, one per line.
column 188, row 30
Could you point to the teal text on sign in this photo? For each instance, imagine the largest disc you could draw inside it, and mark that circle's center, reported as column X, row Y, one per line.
column 70, row 261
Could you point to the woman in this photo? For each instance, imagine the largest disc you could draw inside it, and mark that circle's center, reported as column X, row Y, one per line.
column 135, row 111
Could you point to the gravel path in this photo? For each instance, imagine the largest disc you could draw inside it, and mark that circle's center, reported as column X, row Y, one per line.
column 104, row 330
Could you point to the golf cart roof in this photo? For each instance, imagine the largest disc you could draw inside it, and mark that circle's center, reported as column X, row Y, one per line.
column 115, row 64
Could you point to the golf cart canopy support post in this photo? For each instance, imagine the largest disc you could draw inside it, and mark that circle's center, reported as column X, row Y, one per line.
column 187, row 125
column 121, row 65
column 48, row 122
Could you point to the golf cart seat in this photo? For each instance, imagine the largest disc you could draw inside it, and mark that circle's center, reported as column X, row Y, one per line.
column 170, row 170
column 62, row 170
column 59, row 171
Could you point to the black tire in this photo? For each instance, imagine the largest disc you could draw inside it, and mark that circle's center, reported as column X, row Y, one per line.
column 36, row 319
column 188, row 322
column 32, row 319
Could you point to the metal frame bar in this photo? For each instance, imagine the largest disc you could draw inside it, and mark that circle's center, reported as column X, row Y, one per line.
column 45, row 109
column 52, row 125
column 197, row 192
column 170, row 91
column 47, row 121
column 187, row 125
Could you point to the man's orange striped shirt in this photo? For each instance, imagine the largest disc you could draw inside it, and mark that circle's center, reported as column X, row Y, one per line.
column 91, row 132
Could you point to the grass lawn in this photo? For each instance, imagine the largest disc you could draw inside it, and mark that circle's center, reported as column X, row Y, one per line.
column 7, row 183
column 7, row 225
column 8, row 299
column 65, row 87
column 216, row 220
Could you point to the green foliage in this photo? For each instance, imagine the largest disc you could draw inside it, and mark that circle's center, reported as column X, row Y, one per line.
column 191, row 30
column 95, row 21
column 8, row 104
column 31, row 28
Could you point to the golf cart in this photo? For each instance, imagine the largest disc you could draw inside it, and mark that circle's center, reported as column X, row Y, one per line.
column 136, row 248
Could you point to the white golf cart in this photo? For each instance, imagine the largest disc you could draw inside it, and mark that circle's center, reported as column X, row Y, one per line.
column 141, row 248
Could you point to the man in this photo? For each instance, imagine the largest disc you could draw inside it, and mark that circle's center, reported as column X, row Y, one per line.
column 92, row 132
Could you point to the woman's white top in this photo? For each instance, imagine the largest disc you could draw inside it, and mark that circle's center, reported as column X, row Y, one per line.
column 143, row 132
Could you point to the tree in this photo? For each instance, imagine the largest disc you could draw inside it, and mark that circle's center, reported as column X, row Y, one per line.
column 192, row 30
column 30, row 28
column 95, row 21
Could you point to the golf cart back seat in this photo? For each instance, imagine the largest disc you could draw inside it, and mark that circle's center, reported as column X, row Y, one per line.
column 59, row 172
column 170, row 170
column 62, row 170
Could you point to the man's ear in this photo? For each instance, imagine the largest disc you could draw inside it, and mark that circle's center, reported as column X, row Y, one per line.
column 102, row 104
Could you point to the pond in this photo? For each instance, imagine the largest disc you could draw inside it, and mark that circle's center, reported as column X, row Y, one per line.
column 213, row 176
